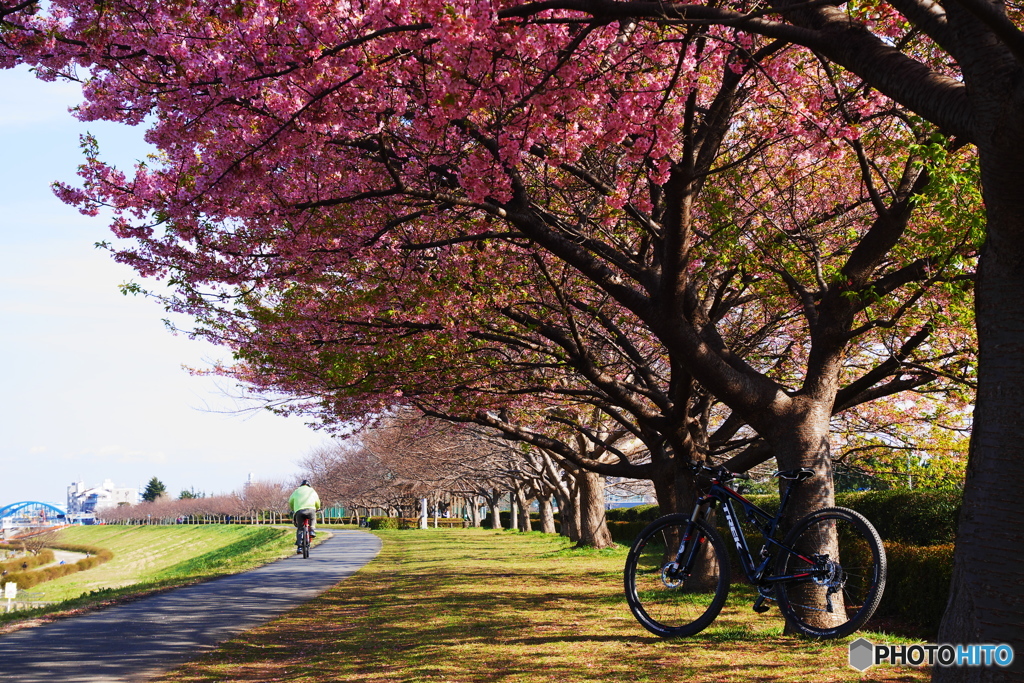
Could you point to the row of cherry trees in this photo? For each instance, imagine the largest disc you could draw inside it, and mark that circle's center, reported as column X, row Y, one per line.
column 571, row 222
column 405, row 458
column 256, row 503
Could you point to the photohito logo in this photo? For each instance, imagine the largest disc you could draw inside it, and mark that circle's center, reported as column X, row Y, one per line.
column 864, row 654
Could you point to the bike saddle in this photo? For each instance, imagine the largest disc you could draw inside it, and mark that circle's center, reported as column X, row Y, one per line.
column 796, row 475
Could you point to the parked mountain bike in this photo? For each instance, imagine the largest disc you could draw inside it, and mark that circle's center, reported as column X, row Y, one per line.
column 827, row 574
column 302, row 538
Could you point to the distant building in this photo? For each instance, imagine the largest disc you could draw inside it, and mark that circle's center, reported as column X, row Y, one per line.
column 84, row 501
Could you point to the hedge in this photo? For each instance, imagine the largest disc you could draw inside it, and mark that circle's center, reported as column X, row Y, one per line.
column 382, row 523
column 28, row 579
column 506, row 521
column 44, row 556
column 917, row 586
column 911, row 517
column 626, row 532
column 638, row 513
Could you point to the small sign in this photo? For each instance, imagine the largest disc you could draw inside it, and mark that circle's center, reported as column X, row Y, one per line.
column 10, row 590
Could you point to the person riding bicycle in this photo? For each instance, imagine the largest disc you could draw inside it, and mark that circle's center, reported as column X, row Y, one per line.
column 304, row 502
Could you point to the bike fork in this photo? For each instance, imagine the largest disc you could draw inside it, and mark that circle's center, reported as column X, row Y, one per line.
column 688, row 549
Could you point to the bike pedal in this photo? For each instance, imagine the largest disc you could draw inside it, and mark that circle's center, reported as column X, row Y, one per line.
column 760, row 607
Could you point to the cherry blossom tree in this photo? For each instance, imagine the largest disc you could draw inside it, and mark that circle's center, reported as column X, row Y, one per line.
column 958, row 64
column 299, row 143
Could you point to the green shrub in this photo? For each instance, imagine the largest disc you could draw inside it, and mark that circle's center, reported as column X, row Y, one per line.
column 378, row 523
column 917, row 587
column 617, row 514
column 637, row 513
column 911, row 517
column 44, row 556
column 626, row 532
column 28, row 579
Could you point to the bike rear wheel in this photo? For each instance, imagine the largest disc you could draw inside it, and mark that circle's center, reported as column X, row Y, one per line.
column 305, row 542
column 665, row 600
column 842, row 562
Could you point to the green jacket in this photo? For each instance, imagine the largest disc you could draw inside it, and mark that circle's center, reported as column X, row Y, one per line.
column 304, row 498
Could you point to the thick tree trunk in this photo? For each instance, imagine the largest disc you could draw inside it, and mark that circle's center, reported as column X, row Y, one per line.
column 474, row 511
column 593, row 525
column 547, row 514
column 802, row 441
column 986, row 602
column 513, row 513
column 674, row 486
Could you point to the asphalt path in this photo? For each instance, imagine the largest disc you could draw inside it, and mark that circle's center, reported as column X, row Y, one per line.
column 142, row 639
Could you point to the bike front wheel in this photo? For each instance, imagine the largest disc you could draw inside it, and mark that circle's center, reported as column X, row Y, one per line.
column 666, row 599
column 838, row 567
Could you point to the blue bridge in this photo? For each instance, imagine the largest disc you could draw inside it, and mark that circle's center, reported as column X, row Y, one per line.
column 31, row 514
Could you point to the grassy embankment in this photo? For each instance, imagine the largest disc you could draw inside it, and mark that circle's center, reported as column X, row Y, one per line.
column 481, row 606
column 148, row 558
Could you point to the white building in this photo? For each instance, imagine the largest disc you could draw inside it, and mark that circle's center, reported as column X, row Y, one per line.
column 88, row 501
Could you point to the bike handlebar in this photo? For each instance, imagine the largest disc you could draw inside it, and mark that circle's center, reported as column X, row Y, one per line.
column 718, row 472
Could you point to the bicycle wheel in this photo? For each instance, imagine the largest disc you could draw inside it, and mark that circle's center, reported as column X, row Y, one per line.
column 664, row 599
column 305, row 542
column 840, row 564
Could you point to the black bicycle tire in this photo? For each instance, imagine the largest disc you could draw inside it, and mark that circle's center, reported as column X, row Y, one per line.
column 305, row 543
column 874, row 593
column 721, row 590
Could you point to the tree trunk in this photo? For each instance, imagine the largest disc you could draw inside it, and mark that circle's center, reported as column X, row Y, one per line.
column 593, row 525
column 564, row 489
column 523, row 504
column 569, row 509
column 495, row 501
column 547, row 514
column 986, row 601
column 674, row 486
column 474, row 511
column 802, row 441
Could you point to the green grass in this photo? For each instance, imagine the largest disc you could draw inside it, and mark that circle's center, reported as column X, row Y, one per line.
column 149, row 558
column 472, row 606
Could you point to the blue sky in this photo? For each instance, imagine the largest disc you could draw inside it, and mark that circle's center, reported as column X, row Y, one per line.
column 92, row 383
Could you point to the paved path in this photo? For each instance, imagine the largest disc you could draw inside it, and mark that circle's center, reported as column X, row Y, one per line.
column 67, row 556
column 140, row 640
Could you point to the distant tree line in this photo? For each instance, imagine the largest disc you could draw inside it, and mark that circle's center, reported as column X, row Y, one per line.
column 256, row 503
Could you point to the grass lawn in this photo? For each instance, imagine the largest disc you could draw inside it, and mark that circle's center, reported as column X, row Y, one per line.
column 148, row 558
column 479, row 605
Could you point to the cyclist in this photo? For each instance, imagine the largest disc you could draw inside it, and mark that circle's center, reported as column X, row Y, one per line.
column 304, row 502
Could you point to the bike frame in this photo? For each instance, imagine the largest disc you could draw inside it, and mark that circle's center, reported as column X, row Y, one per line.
column 764, row 522
column 306, row 540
